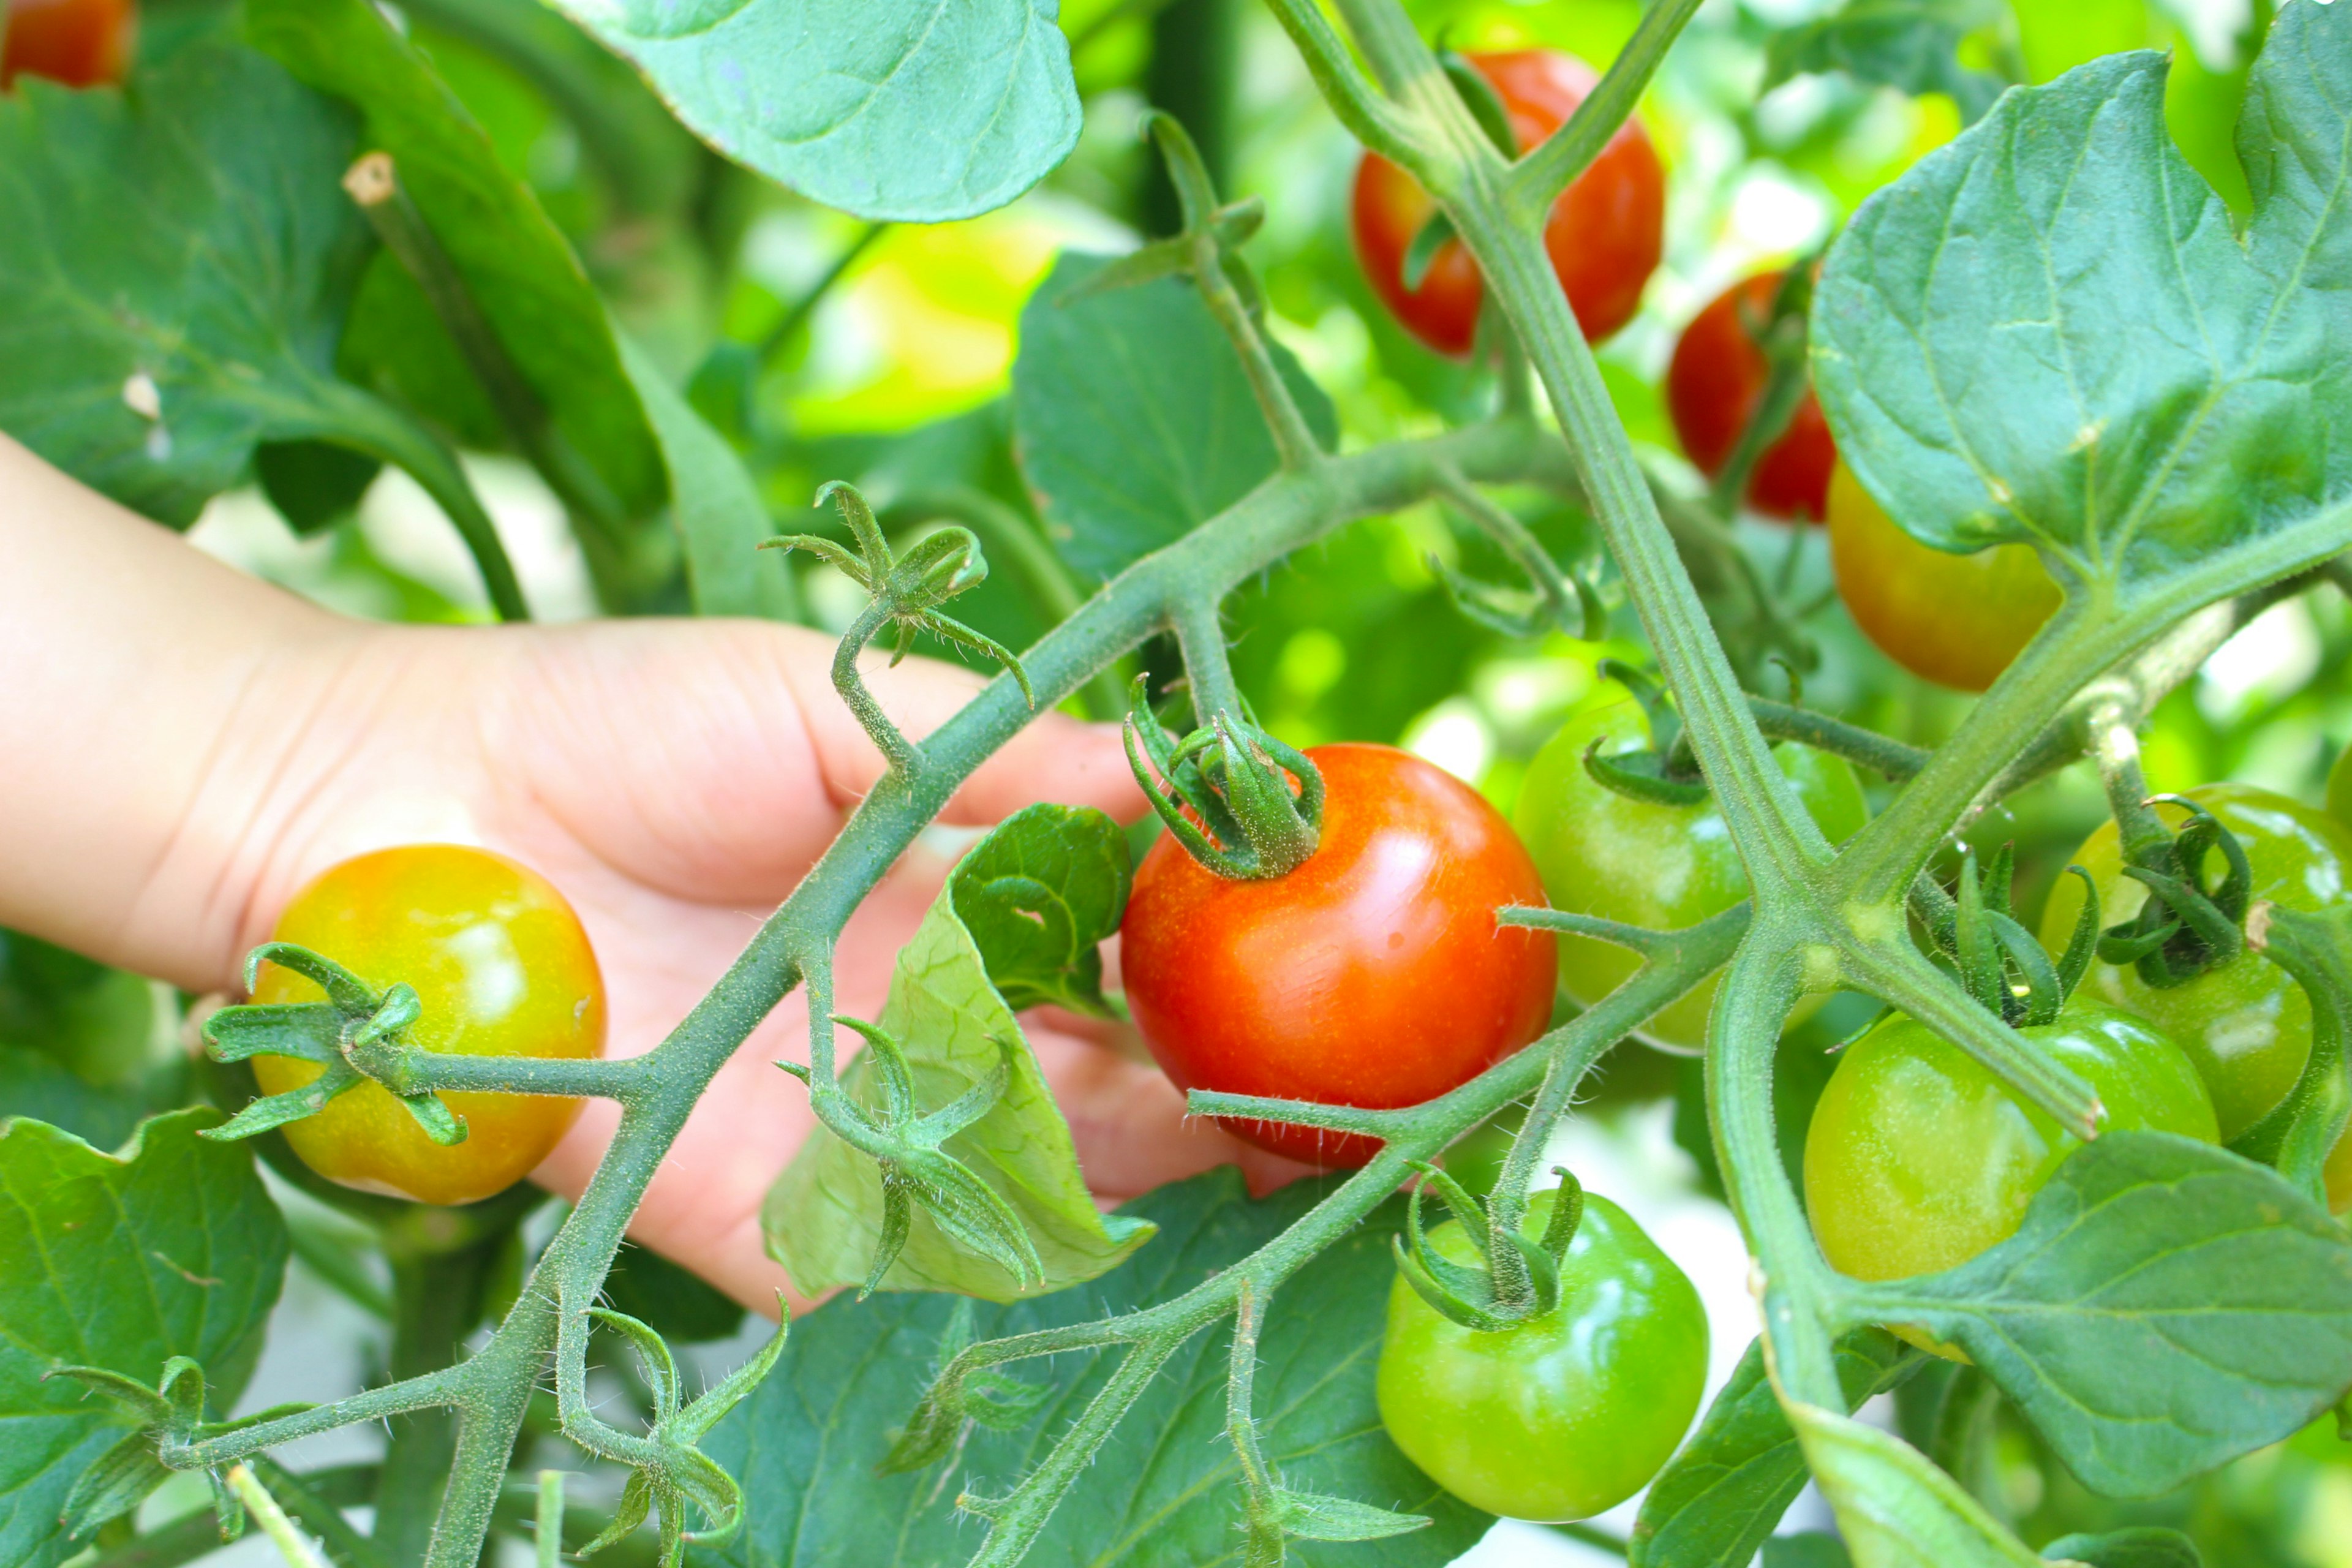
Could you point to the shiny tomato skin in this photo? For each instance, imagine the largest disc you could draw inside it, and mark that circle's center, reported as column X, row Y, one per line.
column 2246, row 1024
column 1918, row 1157
column 81, row 43
column 1957, row 620
column 1374, row 975
column 1604, row 235
column 1662, row 867
column 1714, row 383
column 502, row 967
column 1567, row 1415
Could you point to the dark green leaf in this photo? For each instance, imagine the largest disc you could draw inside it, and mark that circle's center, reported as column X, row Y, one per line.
column 2142, row 1548
column 716, row 506
column 2047, row 331
column 515, row 262
column 1721, row 1496
column 1039, row 894
column 1910, row 45
column 904, row 110
column 98, row 1022
column 1893, row 1508
column 313, row 483
column 1163, row 1491
column 674, row 1303
column 1135, row 421
column 1809, row 1549
column 33, row 1084
column 2163, row 1307
column 172, row 1248
column 147, row 358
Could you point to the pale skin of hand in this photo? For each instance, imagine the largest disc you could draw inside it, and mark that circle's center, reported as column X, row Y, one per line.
column 189, row 747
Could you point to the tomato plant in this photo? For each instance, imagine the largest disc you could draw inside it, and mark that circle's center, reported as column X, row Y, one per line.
column 1374, row 975
column 1716, row 382
column 1958, row 620
column 81, row 43
column 1918, row 1159
column 2072, row 324
column 1645, row 862
column 1566, row 1415
column 1603, row 237
column 501, row 968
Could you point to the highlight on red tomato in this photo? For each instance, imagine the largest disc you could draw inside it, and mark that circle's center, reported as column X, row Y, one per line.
column 1604, row 235
column 1957, row 620
column 1714, row 383
column 503, row 968
column 1561, row 1417
column 1374, row 974
column 81, row 43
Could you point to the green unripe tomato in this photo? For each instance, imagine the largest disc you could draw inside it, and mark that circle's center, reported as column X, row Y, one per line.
column 1563, row 1415
column 1663, row 867
column 1918, row 1157
column 2246, row 1024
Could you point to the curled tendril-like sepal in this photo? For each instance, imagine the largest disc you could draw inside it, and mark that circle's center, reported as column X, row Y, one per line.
column 985, row 1396
column 2186, row 927
column 906, row 1144
column 1243, row 803
column 1642, row 777
column 169, row 1415
column 2000, row 963
column 1475, row 1297
column 668, row 1471
column 1518, row 613
column 906, row 590
column 356, row 1036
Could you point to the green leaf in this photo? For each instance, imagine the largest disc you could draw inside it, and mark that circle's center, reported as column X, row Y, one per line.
column 1723, row 1493
column 2163, row 1307
column 824, row 1218
column 1135, row 420
column 905, row 110
column 171, row 1247
column 2147, row 1547
column 1039, row 894
column 716, row 505
column 673, row 1302
column 98, row 1022
column 1911, row 45
column 2047, row 332
column 147, row 358
column 515, row 263
column 1809, row 1549
column 313, row 484
column 1895, row 1509
column 33, row 1084
column 1165, row 1488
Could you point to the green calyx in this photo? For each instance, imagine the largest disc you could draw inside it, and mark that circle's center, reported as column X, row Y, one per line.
column 1664, row 775
column 905, row 1141
column 2188, row 925
column 1501, row 1292
column 1235, row 781
column 356, row 1034
column 1999, row 961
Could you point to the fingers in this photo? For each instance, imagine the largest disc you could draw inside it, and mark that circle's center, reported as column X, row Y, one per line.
column 1054, row 758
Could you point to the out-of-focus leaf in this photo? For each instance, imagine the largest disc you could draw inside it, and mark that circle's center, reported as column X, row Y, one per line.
column 1163, row 1490
column 313, row 483
column 1133, row 420
column 824, row 1218
column 1911, row 45
column 674, row 1303
column 1895, row 1509
column 173, row 1247
column 2165, row 1305
column 1809, row 1549
column 906, row 109
column 516, row 264
column 33, row 1084
column 2143, row 1548
column 2047, row 332
column 148, row 357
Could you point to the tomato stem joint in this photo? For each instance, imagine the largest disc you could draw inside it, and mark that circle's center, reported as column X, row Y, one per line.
column 1236, row 780
column 355, row 1035
column 2000, row 962
column 1503, row 1290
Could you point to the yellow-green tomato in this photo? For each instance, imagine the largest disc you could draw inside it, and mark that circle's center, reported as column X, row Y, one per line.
column 1918, row 1157
column 1663, row 867
column 501, row 967
column 2246, row 1024
column 1564, row 1416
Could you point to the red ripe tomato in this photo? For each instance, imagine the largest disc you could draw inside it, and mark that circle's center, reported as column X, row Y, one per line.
column 1713, row 386
column 1374, row 975
column 1605, row 234
column 81, row 43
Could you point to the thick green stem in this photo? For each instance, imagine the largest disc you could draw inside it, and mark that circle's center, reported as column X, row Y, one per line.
column 1539, row 177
